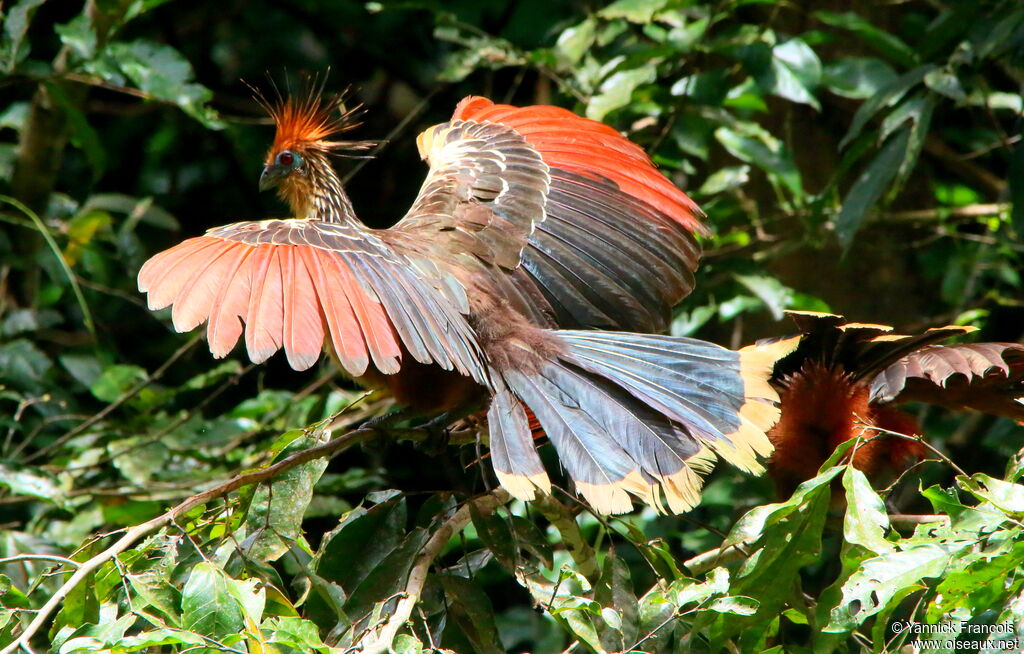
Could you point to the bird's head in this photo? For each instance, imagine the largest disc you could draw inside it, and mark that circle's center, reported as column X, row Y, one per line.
column 298, row 162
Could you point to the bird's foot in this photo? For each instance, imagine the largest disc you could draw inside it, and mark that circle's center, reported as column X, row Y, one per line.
column 388, row 420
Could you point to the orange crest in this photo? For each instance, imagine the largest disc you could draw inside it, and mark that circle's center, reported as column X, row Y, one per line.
column 308, row 121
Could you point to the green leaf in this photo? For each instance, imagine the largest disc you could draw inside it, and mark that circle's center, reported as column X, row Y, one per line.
column 636, row 11
column 82, row 229
column 157, row 638
column 782, row 538
column 11, row 596
column 20, row 321
column 871, row 587
column 751, row 144
column 1003, row 495
column 362, row 540
column 213, row 376
column 708, row 88
column 794, row 72
column 116, row 380
column 724, row 179
column 618, row 623
column 776, row 296
column 162, row 72
column 16, row 23
column 945, row 83
column 869, row 187
column 406, row 644
column 83, row 136
column 866, row 519
column 23, row 365
column 387, row 579
column 470, row 610
column 278, row 507
column 297, row 633
column 31, row 482
column 138, row 209
column 617, row 90
column 251, row 597
column 885, row 43
column 858, row 78
column 208, row 607
column 734, row 604
column 888, row 95
column 1015, row 179
column 79, row 35
column 978, row 585
column 493, row 530
column 576, row 41
column 686, row 591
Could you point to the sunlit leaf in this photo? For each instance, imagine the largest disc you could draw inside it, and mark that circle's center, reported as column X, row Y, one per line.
column 617, row 90
column 866, row 519
column 857, row 77
column 869, row 589
column 575, row 41
column 208, row 607
column 637, row 11
column 162, row 72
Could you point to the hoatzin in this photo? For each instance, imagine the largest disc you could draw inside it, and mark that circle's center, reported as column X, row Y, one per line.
column 533, row 225
column 843, row 379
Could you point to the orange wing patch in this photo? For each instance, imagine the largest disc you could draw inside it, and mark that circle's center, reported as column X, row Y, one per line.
column 281, row 296
column 567, row 141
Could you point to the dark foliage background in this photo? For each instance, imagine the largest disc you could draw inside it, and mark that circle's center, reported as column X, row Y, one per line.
column 862, row 158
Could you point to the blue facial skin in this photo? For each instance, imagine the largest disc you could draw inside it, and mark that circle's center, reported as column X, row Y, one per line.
column 284, row 164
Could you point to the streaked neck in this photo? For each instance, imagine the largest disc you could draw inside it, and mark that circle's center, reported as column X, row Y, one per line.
column 326, row 199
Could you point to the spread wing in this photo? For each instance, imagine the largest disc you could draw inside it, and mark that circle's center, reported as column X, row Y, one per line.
column 987, row 377
column 861, row 350
column 605, row 239
column 289, row 283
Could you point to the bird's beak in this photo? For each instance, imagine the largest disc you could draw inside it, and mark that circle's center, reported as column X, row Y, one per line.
column 270, row 177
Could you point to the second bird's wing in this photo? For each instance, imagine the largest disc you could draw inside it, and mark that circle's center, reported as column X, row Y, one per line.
column 986, row 377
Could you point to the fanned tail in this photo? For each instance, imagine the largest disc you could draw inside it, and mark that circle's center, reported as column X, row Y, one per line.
column 635, row 415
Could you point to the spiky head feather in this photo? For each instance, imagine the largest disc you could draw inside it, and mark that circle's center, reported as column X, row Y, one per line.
column 306, row 122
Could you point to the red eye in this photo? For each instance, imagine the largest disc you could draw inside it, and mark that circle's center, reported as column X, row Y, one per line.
column 286, row 158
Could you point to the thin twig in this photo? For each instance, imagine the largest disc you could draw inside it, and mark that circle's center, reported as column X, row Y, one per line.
column 113, row 406
column 137, row 532
column 178, row 422
column 402, row 124
column 39, row 557
column 898, row 520
column 922, row 441
column 381, row 641
column 725, row 555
